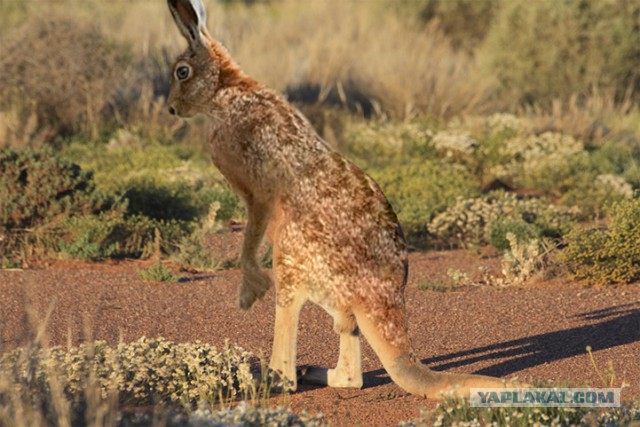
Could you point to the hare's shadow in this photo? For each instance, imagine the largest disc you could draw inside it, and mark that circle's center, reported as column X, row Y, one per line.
column 619, row 325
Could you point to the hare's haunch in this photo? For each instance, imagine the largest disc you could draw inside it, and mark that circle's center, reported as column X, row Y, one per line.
column 336, row 240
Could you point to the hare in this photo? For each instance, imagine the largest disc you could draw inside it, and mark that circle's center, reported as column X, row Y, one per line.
column 336, row 240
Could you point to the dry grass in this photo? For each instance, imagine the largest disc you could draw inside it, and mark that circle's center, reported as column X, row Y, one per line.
column 407, row 59
column 594, row 119
column 403, row 68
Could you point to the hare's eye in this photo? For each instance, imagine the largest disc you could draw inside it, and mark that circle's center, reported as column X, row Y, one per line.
column 182, row 72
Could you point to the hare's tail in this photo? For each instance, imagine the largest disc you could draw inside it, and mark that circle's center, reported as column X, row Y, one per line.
column 406, row 371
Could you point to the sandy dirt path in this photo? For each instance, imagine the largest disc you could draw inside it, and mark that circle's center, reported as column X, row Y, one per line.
column 538, row 331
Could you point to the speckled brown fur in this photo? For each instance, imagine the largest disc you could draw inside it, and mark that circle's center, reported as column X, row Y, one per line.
column 336, row 240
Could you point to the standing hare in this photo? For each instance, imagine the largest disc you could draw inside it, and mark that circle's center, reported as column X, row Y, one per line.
column 336, row 240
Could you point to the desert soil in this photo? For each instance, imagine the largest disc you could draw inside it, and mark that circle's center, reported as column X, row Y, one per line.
column 536, row 331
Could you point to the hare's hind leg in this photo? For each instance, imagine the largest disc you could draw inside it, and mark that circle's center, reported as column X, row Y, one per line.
column 348, row 371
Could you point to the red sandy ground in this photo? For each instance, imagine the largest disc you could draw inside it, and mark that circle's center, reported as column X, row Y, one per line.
column 537, row 331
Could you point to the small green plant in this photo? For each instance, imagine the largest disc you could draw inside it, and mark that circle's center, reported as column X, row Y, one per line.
column 608, row 255
column 524, row 259
column 501, row 228
column 608, row 377
column 158, row 272
column 192, row 252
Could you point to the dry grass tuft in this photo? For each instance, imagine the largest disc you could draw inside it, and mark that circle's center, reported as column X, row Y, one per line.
column 66, row 80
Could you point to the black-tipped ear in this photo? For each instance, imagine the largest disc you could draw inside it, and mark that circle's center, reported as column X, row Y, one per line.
column 190, row 18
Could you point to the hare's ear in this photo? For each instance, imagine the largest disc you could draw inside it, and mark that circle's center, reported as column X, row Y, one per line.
column 191, row 18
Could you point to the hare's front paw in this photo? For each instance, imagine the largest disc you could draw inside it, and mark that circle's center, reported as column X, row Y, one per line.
column 255, row 284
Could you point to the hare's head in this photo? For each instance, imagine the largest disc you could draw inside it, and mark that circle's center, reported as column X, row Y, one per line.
column 203, row 68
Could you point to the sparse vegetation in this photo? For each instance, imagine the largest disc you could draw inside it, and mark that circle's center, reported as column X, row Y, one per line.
column 96, row 382
column 608, row 255
column 459, row 412
column 478, row 133
column 488, row 219
column 158, row 272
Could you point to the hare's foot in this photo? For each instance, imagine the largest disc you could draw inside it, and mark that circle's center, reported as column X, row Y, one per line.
column 348, row 371
column 339, row 377
column 255, row 283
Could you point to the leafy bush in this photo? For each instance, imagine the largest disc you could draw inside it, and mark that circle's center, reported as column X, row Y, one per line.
column 545, row 49
column 501, row 228
column 420, row 190
column 37, row 186
column 611, row 255
column 486, row 219
column 164, row 182
column 111, row 235
column 502, row 150
column 193, row 250
column 541, row 162
column 593, row 194
column 523, row 259
column 375, row 144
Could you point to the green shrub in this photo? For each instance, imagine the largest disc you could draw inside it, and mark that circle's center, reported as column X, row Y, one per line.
column 181, row 201
column 194, row 253
column 37, row 186
column 374, row 145
column 498, row 149
column 470, row 221
column 420, row 190
column 593, row 194
column 109, row 235
column 611, row 255
column 549, row 163
column 165, row 182
column 521, row 230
